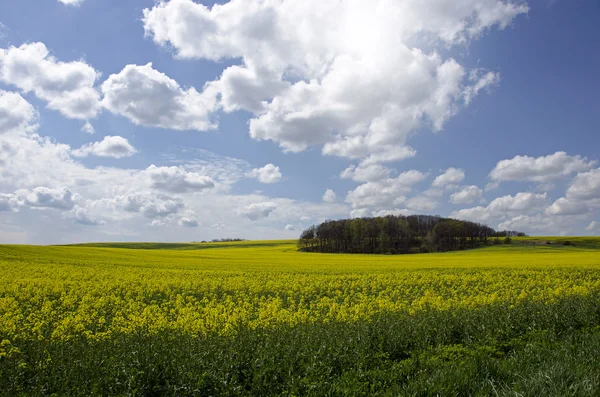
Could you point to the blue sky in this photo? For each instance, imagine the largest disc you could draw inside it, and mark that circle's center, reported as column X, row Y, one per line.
column 178, row 121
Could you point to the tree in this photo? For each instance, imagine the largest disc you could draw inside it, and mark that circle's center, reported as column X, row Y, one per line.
column 398, row 235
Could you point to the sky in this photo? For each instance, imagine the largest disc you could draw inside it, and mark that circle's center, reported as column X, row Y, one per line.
column 181, row 120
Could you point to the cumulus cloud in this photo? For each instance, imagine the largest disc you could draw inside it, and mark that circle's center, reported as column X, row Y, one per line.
column 503, row 207
column 475, row 214
column 466, row 195
column 150, row 205
column 451, row 176
column 110, row 146
column 267, row 174
column 540, row 169
column 538, row 223
column 177, row 180
column 290, row 228
column 422, row 203
column 81, row 216
column 71, row 2
column 9, row 202
column 322, row 73
column 385, row 193
column 564, row 206
column 16, row 114
column 366, row 172
column 188, row 221
column 329, row 196
column 122, row 198
column 150, row 98
column 44, row 197
column 518, row 202
column 67, row 87
column 585, row 186
column 257, row 211
column 88, row 128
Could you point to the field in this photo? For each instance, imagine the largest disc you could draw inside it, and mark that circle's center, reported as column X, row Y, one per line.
column 260, row 318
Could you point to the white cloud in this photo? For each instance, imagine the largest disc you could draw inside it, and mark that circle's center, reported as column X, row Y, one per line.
column 75, row 3
column 361, row 213
column 152, row 206
column 481, row 80
column 67, row 87
column 564, row 206
column 44, row 197
column 385, row 193
column 223, row 169
column 422, row 203
column 503, row 207
column 585, row 186
column 188, row 222
column 88, row 128
column 123, row 198
column 267, row 174
column 329, row 196
column 9, row 202
column 593, row 227
column 366, row 172
column 491, row 186
column 322, row 73
column 451, row 176
column 475, row 214
column 257, row 211
column 519, row 202
column 16, row 114
column 396, row 212
column 290, row 228
column 110, row 146
column 540, row 169
column 466, row 195
column 177, row 180
column 537, row 223
column 81, row 216
column 148, row 97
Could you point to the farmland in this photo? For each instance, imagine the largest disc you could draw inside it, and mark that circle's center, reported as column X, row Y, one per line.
column 261, row 318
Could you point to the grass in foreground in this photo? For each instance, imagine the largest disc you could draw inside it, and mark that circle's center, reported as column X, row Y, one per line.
column 263, row 319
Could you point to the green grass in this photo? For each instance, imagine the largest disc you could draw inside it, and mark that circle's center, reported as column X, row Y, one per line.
column 119, row 319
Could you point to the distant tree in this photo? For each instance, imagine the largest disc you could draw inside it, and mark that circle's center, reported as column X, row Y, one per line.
column 398, row 235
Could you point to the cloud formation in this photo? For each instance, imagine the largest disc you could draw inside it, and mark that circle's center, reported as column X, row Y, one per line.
column 267, row 174
column 16, row 114
column 256, row 211
column 150, row 98
column 67, row 87
column 110, row 146
column 44, row 197
column 177, row 180
column 329, row 196
column 322, row 73
column 385, row 193
column 540, row 169
column 466, row 195
column 451, row 176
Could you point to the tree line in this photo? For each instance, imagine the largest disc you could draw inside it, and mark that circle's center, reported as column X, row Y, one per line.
column 399, row 235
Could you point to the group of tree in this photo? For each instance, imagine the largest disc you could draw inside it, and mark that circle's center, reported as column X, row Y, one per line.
column 222, row 240
column 399, row 235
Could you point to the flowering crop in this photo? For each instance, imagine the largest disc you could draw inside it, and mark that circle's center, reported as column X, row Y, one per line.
column 59, row 293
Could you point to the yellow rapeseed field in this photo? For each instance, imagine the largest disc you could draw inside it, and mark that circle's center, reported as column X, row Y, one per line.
column 95, row 292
